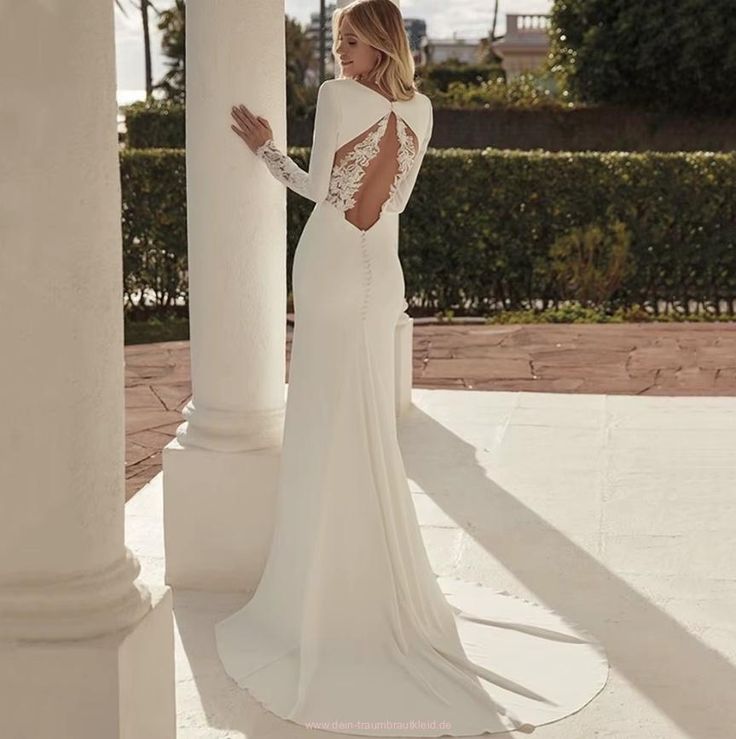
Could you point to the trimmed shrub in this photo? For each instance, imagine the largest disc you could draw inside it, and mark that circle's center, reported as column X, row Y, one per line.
column 156, row 124
column 489, row 230
column 154, row 223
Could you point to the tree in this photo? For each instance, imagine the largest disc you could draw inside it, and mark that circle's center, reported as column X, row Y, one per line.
column 492, row 35
column 299, row 55
column 143, row 10
column 172, row 24
column 666, row 54
column 299, row 51
column 486, row 54
column 299, row 58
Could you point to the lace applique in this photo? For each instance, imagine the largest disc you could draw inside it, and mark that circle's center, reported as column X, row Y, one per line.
column 347, row 175
column 407, row 152
column 282, row 167
column 339, row 183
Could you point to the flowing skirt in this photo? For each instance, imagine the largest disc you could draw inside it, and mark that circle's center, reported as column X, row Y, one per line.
column 349, row 629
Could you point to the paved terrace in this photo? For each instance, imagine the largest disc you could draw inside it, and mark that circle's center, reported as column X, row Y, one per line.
column 613, row 359
column 600, row 496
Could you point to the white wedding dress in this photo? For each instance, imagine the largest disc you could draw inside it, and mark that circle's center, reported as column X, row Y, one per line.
column 349, row 629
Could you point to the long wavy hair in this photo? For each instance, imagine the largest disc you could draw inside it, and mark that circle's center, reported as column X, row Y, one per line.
column 380, row 24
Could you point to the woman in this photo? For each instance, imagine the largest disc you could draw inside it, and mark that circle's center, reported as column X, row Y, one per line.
column 349, row 629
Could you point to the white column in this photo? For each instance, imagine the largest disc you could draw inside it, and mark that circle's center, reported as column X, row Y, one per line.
column 83, row 644
column 220, row 472
column 404, row 339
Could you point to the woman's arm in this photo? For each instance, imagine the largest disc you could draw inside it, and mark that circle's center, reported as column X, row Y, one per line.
column 314, row 183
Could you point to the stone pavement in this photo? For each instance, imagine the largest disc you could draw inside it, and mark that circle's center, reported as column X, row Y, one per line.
column 615, row 511
column 628, row 359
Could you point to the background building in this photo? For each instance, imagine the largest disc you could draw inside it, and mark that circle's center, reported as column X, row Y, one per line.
column 439, row 50
column 525, row 45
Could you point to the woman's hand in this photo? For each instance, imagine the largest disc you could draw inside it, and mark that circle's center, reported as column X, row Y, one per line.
column 253, row 129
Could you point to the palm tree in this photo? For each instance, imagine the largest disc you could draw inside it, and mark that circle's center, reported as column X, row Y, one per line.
column 143, row 9
column 495, row 21
column 486, row 53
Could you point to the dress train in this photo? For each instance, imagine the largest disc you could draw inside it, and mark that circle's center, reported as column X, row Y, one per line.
column 349, row 629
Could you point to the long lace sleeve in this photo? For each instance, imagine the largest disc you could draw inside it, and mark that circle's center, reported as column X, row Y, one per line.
column 313, row 184
column 398, row 202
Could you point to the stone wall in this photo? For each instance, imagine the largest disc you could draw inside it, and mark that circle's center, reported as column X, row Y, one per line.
column 595, row 129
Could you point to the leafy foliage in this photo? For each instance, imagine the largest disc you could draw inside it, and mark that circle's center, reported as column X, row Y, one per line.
column 592, row 262
column 299, row 56
column 172, row 23
column 438, row 77
column 154, row 225
column 528, row 90
column 671, row 55
column 489, row 230
column 155, row 124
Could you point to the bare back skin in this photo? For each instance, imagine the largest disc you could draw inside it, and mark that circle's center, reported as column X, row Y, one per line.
column 377, row 158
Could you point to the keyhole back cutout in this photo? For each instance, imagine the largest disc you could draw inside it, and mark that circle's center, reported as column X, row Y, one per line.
column 370, row 166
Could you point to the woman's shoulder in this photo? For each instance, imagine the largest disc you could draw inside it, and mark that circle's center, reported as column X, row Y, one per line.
column 423, row 103
column 333, row 85
column 420, row 97
column 420, row 101
column 348, row 86
column 425, row 99
column 327, row 86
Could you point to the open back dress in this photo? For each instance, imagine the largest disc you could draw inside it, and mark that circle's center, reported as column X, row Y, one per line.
column 349, row 629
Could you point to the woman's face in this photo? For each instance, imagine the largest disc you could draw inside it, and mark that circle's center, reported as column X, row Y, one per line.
column 357, row 58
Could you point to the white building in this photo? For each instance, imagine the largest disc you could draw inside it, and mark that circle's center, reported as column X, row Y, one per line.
column 525, row 45
column 439, row 50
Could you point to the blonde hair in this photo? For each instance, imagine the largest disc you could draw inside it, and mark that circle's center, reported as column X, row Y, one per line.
column 380, row 24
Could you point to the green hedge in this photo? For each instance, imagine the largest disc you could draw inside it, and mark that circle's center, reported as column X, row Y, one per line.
column 441, row 76
column 487, row 229
column 154, row 223
column 155, row 124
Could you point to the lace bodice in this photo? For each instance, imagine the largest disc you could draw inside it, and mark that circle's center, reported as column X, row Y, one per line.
column 347, row 174
column 356, row 167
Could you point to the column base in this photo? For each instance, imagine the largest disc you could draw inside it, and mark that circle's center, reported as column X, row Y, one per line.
column 219, row 511
column 117, row 686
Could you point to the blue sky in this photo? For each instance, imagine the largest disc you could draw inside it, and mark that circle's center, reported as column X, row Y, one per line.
column 466, row 18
